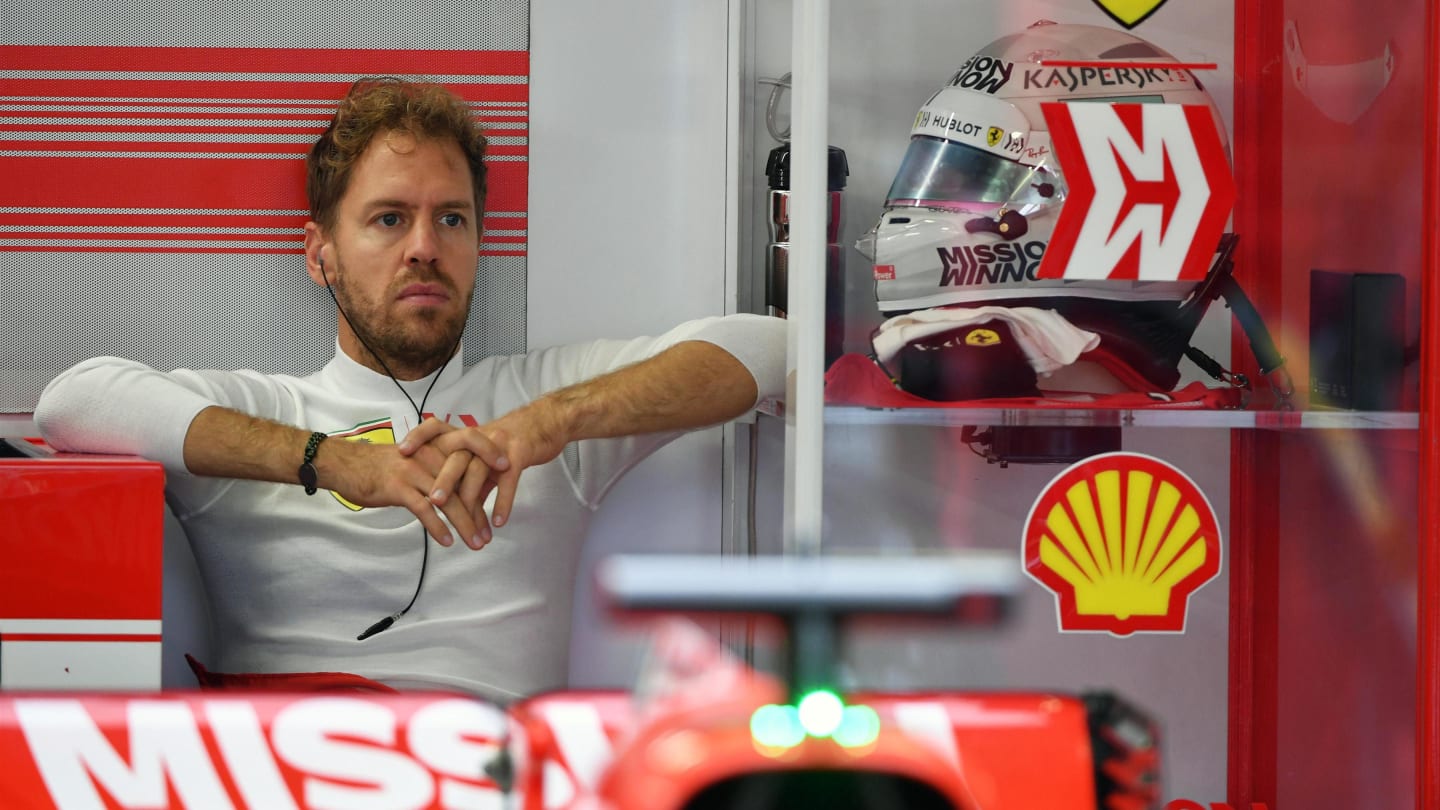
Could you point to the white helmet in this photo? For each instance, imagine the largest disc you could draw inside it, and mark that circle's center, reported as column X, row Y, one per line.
column 972, row 207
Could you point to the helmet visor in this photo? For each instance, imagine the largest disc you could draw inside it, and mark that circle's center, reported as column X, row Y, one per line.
column 939, row 173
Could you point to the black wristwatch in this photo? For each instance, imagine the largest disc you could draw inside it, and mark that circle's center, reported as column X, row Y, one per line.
column 308, row 476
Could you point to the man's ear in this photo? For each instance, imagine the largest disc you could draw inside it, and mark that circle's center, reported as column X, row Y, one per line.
column 316, row 247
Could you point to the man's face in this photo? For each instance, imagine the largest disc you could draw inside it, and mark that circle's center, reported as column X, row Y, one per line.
column 401, row 255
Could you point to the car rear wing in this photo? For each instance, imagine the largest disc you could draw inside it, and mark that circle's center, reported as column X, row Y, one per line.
column 812, row 594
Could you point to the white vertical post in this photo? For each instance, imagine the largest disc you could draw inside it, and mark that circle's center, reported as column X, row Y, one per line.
column 734, row 477
column 805, row 361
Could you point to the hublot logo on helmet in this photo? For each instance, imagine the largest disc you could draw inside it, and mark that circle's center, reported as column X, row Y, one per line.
column 1005, row 263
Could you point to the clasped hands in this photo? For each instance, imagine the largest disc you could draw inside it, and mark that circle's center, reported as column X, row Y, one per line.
column 440, row 468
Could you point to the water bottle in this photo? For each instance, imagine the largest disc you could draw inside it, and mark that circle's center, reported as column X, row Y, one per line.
column 777, row 253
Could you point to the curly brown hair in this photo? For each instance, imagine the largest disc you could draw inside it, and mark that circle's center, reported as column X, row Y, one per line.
column 380, row 104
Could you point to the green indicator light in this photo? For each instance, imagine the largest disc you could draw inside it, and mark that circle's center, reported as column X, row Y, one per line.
column 858, row 728
column 776, row 726
column 821, row 712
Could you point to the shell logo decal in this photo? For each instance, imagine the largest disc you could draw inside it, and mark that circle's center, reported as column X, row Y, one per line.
column 1122, row 540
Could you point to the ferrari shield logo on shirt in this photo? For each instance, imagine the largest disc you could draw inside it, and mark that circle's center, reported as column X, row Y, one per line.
column 378, row 431
column 1122, row 540
column 383, row 430
column 1150, row 190
column 1129, row 13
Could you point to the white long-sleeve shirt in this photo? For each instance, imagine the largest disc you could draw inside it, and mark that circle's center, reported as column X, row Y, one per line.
column 292, row 579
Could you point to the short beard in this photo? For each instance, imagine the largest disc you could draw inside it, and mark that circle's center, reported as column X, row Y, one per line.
column 408, row 350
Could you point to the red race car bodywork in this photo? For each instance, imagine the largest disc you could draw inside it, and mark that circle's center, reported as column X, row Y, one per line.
column 702, row 731
column 566, row 749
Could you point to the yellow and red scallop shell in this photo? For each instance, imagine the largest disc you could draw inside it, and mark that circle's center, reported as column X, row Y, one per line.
column 1122, row 539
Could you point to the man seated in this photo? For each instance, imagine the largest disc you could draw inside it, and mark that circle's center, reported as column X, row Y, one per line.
column 300, row 505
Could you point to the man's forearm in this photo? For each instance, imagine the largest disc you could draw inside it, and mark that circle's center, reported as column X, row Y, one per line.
column 229, row 444
column 692, row 384
column 225, row 443
column 689, row 385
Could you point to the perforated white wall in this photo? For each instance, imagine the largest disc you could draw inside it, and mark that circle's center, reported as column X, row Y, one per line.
column 153, row 200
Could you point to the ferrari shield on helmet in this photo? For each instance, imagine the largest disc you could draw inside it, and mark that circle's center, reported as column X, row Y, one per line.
column 973, row 204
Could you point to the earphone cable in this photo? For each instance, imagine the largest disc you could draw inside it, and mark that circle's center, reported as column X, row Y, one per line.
column 385, row 623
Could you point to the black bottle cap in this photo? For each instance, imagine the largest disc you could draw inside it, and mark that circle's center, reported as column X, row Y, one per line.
column 777, row 168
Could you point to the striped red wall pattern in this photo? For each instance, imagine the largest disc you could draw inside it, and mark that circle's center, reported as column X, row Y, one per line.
column 200, row 150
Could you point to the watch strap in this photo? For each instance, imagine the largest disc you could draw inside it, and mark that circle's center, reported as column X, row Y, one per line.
column 307, row 474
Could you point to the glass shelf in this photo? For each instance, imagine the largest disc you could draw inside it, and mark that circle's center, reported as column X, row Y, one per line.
column 1141, row 418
